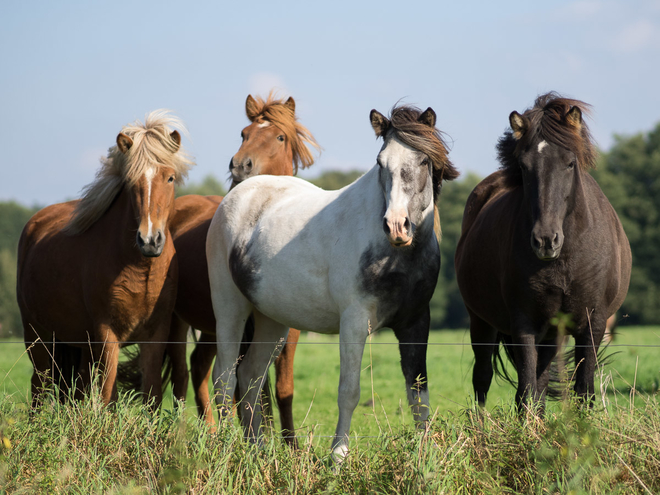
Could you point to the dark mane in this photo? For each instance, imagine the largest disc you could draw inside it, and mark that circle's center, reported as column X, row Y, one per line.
column 428, row 140
column 547, row 121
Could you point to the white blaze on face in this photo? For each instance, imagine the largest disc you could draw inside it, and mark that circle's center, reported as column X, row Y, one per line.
column 149, row 177
column 392, row 158
column 542, row 145
column 264, row 124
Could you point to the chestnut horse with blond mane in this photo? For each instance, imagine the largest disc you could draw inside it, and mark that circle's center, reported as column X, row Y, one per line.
column 274, row 143
column 87, row 283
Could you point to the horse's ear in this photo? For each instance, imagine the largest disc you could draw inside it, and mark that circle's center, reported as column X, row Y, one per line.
column 176, row 137
column 428, row 117
column 124, row 143
column 574, row 118
column 379, row 122
column 291, row 105
column 518, row 124
column 251, row 108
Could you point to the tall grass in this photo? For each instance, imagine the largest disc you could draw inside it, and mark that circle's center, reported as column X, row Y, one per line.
column 87, row 448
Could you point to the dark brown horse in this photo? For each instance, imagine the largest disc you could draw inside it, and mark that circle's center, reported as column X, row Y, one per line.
column 274, row 143
column 98, row 272
column 539, row 237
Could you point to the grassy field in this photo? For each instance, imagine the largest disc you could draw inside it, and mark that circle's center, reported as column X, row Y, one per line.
column 87, row 448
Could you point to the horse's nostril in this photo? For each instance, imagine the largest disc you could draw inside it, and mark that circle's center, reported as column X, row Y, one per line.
column 139, row 240
column 386, row 227
column 406, row 224
column 231, row 164
column 248, row 165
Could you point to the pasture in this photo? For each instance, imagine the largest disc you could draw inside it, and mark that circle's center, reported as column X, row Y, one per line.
column 86, row 448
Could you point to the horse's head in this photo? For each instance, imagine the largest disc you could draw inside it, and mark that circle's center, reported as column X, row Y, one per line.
column 146, row 163
column 273, row 143
column 412, row 164
column 549, row 145
column 152, row 196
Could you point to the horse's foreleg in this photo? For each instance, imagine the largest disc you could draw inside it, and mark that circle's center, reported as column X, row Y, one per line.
column 413, row 342
column 284, row 386
column 484, row 342
column 151, row 363
column 269, row 338
column 546, row 352
column 526, row 363
column 201, row 361
column 109, row 357
column 587, row 343
column 354, row 329
column 176, row 348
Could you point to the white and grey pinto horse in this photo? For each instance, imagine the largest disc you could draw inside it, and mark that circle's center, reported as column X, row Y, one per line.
column 349, row 261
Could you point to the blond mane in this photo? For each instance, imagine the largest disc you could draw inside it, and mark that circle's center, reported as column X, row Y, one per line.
column 152, row 145
column 280, row 115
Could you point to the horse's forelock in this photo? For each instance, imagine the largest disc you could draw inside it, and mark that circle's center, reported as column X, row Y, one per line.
column 152, row 146
column 405, row 125
column 277, row 112
column 549, row 120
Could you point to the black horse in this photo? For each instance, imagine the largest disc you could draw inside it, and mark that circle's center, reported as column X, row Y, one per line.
column 539, row 237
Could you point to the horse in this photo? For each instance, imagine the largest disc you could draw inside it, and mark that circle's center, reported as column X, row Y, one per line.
column 273, row 143
column 539, row 237
column 99, row 272
column 350, row 261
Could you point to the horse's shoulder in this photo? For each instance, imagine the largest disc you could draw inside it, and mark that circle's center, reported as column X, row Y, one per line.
column 191, row 211
column 487, row 190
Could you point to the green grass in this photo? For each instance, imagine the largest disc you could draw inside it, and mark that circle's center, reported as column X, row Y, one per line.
column 87, row 448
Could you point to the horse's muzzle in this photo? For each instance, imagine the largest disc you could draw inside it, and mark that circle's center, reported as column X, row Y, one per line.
column 547, row 247
column 152, row 247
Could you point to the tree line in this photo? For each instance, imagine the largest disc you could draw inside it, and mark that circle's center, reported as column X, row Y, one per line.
column 629, row 174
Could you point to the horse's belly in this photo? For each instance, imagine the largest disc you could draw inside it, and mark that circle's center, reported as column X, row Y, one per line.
column 303, row 306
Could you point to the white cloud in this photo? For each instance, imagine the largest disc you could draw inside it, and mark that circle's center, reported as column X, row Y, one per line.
column 636, row 36
column 262, row 83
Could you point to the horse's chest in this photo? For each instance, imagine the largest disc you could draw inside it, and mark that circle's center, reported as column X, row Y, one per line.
column 401, row 282
column 137, row 298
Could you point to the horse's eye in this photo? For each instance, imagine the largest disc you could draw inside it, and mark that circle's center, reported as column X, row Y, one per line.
column 242, row 136
column 571, row 165
column 425, row 162
column 171, row 179
column 280, row 138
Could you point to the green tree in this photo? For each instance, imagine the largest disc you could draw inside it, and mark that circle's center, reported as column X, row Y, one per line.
column 629, row 175
column 210, row 186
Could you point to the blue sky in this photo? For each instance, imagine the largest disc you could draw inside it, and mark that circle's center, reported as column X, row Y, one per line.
column 74, row 72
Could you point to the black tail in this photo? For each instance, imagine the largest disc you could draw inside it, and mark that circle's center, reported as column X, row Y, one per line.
column 129, row 374
column 66, row 363
column 499, row 366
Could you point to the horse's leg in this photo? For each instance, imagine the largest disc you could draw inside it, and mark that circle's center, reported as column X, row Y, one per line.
column 176, row 348
column 546, row 352
column 151, row 363
column 42, row 363
column 284, row 386
column 84, row 376
column 109, row 358
column 413, row 342
column 484, row 343
column 526, row 363
column 269, row 338
column 587, row 343
column 354, row 329
column 201, row 361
